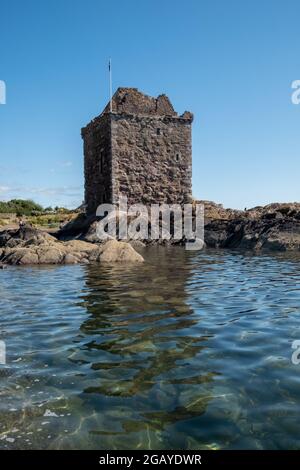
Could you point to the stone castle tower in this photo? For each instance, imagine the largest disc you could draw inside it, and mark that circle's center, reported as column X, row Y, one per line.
column 142, row 150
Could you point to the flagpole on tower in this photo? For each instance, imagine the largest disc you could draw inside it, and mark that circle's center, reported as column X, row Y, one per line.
column 110, row 85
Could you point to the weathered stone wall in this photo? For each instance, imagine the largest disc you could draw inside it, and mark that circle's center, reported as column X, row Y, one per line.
column 141, row 150
column 132, row 101
column 97, row 162
column 152, row 158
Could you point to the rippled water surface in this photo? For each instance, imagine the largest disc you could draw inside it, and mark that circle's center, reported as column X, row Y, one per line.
column 188, row 351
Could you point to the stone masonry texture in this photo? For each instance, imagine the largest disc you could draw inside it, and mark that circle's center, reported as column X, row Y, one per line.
column 142, row 150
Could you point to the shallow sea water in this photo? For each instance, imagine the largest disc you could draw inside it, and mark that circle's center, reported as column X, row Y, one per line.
column 191, row 350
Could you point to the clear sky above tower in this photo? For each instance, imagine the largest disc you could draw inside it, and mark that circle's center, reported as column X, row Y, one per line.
column 229, row 62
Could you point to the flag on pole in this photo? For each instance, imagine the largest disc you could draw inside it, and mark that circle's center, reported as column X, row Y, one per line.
column 110, row 85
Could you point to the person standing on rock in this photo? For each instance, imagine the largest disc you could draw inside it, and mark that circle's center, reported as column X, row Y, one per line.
column 22, row 223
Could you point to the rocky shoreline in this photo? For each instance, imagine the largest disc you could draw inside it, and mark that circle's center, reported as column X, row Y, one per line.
column 275, row 227
column 29, row 246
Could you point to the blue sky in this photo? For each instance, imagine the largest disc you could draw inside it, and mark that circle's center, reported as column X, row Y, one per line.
column 229, row 62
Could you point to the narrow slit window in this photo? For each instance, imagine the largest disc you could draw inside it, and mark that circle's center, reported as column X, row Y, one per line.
column 158, row 131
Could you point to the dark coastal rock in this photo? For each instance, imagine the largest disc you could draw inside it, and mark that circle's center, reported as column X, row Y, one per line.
column 5, row 236
column 80, row 227
column 275, row 227
column 272, row 228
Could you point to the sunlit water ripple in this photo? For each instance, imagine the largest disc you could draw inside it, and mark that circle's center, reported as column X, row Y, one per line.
column 189, row 351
